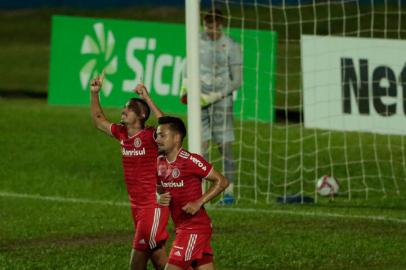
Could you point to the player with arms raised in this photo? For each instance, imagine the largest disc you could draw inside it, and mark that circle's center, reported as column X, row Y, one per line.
column 180, row 174
column 139, row 154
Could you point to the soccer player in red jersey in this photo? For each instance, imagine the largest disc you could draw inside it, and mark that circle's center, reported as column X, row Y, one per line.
column 139, row 154
column 180, row 175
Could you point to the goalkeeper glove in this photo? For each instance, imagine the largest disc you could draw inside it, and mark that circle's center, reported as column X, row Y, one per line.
column 207, row 99
column 183, row 92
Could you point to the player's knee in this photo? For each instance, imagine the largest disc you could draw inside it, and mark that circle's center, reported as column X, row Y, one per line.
column 159, row 258
column 138, row 260
column 159, row 266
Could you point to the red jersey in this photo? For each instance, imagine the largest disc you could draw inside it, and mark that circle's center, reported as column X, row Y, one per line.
column 139, row 153
column 183, row 179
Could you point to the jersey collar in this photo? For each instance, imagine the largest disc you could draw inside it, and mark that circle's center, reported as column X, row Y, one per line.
column 176, row 158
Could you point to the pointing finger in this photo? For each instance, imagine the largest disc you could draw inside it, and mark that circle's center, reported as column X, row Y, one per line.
column 101, row 79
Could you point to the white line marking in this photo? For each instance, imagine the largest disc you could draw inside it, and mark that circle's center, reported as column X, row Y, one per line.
column 230, row 209
column 61, row 199
column 311, row 214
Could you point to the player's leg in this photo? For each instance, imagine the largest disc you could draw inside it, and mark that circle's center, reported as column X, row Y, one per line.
column 139, row 253
column 208, row 266
column 223, row 135
column 181, row 254
column 157, row 235
column 207, row 258
column 172, row 267
column 206, row 130
column 150, row 237
column 226, row 150
column 139, row 259
column 159, row 257
column 190, row 250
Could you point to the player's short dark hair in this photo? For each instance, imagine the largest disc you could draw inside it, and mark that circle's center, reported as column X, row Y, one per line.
column 140, row 107
column 175, row 124
column 213, row 15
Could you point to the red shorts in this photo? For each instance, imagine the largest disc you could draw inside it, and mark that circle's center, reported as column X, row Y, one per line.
column 150, row 227
column 191, row 250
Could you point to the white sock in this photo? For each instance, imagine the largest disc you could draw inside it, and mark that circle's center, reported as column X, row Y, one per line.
column 229, row 189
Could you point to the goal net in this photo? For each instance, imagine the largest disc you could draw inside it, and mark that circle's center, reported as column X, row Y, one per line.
column 323, row 93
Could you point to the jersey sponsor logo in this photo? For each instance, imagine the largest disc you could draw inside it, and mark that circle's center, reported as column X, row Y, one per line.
column 130, row 153
column 137, row 142
column 184, row 154
column 175, row 173
column 172, row 184
column 198, row 163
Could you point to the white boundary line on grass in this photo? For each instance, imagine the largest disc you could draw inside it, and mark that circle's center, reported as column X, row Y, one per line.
column 311, row 214
column 227, row 209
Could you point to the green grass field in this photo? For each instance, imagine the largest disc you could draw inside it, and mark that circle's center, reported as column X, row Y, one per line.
column 63, row 202
column 63, row 206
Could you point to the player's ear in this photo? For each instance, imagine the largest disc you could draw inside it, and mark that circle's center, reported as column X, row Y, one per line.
column 178, row 138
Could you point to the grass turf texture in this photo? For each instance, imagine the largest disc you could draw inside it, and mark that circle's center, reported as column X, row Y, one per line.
column 55, row 151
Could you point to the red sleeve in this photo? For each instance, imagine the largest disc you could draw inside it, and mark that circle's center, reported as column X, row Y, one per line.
column 200, row 166
column 116, row 130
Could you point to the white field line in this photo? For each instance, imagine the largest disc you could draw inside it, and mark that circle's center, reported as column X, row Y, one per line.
column 226, row 209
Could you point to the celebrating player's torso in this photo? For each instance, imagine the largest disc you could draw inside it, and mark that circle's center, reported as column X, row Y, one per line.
column 139, row 153
column 182, row 178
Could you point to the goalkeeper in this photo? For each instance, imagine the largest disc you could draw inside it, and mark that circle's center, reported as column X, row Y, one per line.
column 220, row 76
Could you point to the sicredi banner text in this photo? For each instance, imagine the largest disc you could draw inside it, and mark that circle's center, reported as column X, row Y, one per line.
column 154, row 53
column 354, row 84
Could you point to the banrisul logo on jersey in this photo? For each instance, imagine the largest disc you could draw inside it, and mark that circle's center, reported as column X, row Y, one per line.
column 154, row 53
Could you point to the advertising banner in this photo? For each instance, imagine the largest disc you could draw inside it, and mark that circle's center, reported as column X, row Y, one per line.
column 354, row 84
column 131, row 51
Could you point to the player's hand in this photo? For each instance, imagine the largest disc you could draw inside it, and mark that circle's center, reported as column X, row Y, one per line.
column 96, row 84
column 183, row 92
column 207, row 99
column 164, row 199
column 192, row 208
column 141, row 90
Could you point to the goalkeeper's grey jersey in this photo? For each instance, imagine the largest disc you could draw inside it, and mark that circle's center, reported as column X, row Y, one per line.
column 216, row 59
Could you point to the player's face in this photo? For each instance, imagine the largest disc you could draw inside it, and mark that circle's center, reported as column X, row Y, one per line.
column 166, row 139
column 213, row 30
column 128, row 116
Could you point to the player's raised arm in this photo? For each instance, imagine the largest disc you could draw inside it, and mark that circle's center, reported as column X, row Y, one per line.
column 142, row 91
column 219, row 184
column 99, row 119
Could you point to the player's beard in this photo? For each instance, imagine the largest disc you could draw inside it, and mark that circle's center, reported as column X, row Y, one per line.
column 123, row 122
column 161, row 151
